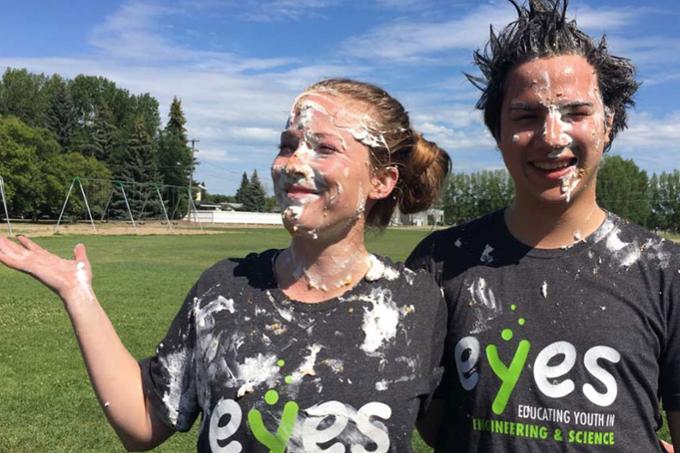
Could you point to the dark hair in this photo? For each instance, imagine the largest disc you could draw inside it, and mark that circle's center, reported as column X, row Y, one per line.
column 423, row 166
column 543, row 31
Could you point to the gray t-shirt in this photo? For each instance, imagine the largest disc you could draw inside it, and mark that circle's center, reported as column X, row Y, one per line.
column 271, row 374
column 556, row 350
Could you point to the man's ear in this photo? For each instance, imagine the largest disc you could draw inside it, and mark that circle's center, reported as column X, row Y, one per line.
column 383, row 181
column 608, row 124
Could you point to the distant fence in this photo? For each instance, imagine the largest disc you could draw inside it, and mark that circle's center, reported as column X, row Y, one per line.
column 239, row 217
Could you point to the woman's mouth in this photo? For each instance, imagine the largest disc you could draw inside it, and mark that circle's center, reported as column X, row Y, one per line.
column 300, row 191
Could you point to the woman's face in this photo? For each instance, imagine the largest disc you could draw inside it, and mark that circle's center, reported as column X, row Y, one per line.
column 323, row 177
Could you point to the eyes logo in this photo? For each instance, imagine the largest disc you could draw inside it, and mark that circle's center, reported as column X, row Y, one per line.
column 509, row 375
column 546, row 372
column 356, row 427
column 275, row 442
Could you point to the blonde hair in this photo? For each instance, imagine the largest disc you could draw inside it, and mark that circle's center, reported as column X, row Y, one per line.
column 423, row 166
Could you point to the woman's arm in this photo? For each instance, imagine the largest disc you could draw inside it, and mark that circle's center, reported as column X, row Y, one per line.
column 114, row 373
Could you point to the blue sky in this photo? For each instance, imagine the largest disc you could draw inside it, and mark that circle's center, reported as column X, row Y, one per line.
column 237, row 65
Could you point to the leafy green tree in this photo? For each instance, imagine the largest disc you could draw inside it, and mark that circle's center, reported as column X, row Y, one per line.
column 215, row 198
column 20, row 168
column 271, row 204
column 622, row 189
column 58, row 172
column 146, row 107
column 664, row 195
column 471, row 195
column 22, row 94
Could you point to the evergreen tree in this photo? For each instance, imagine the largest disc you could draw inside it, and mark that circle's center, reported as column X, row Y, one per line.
column 243, row 192
column 176, row 120
column 138, row 171
column 175, row 160
column 61, row 116
column 104, row 146
column 257, row 197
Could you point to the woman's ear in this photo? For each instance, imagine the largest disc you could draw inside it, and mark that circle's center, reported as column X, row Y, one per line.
column 383, row 181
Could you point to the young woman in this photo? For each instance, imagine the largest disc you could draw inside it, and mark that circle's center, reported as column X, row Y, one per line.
column 318, row 347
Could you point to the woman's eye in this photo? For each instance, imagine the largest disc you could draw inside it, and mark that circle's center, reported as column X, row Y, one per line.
column 285, row 149
column 525, row 117
column 325, row 149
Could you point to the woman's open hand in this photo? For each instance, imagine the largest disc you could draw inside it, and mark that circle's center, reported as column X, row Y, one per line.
column 63, row 276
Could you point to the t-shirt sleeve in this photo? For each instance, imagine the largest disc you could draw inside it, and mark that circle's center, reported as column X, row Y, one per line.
column 168, row 378
column 422, row 256
column 670, row 362
column 437, row 349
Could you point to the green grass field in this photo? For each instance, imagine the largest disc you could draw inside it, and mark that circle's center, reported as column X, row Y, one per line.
column 47, row 403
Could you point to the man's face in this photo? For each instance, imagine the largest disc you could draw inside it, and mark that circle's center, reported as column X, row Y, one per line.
column 553, row 128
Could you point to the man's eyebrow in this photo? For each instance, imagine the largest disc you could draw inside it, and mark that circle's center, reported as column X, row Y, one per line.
column 575, row 105
column 524, row 106
column 520, row 105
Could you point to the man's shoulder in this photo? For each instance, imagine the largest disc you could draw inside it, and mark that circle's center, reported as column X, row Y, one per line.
column 455, row 243
column 628, row 242
column 473, row 230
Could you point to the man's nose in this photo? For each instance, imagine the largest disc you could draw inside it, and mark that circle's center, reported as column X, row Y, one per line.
column 555, row 131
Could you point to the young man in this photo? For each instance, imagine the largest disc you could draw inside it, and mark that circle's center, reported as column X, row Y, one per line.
column 564, row 319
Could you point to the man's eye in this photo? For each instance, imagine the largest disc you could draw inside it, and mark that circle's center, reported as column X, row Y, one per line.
column 576, row 115
column 525, row 117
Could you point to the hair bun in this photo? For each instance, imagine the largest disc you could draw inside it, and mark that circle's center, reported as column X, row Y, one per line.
column 423, row 174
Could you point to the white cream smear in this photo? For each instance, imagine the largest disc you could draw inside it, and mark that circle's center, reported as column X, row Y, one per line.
column 380, row 321
column 83, row 280
column 255, row 371
column 486, row 254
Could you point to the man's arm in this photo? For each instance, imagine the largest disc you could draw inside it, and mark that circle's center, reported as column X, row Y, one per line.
column 428, row 424
column 674, row 427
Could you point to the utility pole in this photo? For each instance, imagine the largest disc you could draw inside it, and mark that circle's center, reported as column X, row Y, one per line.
column 191, row 176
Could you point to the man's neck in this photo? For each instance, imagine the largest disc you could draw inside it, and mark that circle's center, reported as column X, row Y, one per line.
column 554, row 225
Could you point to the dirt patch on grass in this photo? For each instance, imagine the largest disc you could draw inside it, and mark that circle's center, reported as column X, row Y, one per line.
column 110, row 228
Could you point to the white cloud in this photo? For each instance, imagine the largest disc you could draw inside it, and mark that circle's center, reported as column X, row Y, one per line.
column 407, row 40
column 237, row 105
column 651, row 134
column 276, row 10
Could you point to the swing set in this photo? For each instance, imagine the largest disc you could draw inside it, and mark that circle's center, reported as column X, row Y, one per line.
column 151, row 190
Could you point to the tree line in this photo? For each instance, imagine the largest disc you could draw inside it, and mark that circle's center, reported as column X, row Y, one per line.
column 622, row 188
column 250, row 195
column 53, row 128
